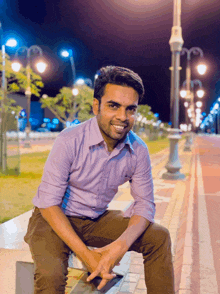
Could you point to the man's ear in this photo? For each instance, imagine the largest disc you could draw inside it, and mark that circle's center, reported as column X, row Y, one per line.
column 95, row 106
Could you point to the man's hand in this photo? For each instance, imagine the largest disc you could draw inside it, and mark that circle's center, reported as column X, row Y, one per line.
column 108, row 257
column 113, row 253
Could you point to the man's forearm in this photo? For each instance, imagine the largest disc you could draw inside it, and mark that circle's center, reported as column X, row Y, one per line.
column 62, row 227
column 136, row 226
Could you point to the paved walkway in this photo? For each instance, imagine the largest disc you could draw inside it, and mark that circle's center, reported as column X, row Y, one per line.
column 190, row 210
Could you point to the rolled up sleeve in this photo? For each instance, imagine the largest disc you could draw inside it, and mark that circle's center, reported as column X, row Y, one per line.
column 55, row 176
column 142, row 187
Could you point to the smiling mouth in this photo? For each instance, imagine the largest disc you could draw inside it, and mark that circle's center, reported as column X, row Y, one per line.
column 119, row 128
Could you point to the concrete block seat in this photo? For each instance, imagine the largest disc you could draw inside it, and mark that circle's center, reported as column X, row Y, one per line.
column 14, row 253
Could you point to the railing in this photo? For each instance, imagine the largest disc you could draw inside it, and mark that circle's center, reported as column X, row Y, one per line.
column 33, row 135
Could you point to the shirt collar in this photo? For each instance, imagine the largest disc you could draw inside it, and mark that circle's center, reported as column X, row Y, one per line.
column 95, row 136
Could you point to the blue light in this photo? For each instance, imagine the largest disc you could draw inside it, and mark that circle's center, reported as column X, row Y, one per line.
column 156, row 114
column 11, row 42
column 55, row 121
column 68, row 124
column 23, row 113
column 51, row 126
column 76, row 122
column 65, row 53
column 46, row 120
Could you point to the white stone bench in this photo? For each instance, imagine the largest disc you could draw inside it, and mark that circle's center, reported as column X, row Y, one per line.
column 13, row 249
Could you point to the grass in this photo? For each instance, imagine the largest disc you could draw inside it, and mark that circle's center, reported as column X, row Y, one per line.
column 158, row 145
column 17, row 192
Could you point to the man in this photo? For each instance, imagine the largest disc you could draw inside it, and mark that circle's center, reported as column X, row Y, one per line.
column 81, row 176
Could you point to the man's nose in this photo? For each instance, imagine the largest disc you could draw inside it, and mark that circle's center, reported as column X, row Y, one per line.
column 122, row 114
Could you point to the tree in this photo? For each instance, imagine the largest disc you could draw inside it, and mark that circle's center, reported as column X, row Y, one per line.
column 145, row 111
column 65, row 105
column 17, row 82
column 145, row 118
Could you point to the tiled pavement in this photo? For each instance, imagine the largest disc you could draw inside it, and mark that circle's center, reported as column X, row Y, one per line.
column 169, row 198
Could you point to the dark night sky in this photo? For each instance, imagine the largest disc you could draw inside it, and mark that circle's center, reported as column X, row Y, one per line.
column 134, row 34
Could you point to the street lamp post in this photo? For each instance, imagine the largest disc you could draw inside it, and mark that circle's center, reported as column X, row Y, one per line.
column 3, row 141
column 201, row 69
column 3, row 138
column 187, row 142
column 69, row 53
column 191, row 97
column 195, row 51
column 41, row 66
column 86, row 81
column 176, row 41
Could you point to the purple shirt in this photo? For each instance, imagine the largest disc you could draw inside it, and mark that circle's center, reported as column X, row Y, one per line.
column 82, row 177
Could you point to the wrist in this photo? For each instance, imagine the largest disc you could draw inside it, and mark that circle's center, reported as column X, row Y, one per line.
column 121, row 245
column 84, row 253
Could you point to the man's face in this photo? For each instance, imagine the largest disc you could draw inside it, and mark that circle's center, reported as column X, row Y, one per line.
column 117, row 112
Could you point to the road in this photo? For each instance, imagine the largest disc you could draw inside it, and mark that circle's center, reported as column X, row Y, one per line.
column 206, row 216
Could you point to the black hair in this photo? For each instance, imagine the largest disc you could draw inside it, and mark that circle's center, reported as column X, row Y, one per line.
column 118, row 76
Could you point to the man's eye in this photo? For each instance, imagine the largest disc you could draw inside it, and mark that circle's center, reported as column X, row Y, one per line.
column 113, row 106
column 132, row 110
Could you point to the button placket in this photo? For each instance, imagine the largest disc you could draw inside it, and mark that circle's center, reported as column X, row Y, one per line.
column 103, row 181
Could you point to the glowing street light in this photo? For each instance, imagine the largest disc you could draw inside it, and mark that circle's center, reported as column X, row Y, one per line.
column 11, row 42
column 201, row 69
column 41, row 66
column 199, row 104
column 80, row 82
column 75, row 91
column 65, row 53
column 183, row 93
column 16, row 66
column 216, row 106
column 200, row 93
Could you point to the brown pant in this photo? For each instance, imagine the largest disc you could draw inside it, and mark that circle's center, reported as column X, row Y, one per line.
column 50, row 253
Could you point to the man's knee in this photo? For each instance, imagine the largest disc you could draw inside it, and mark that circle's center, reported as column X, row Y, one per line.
column 155, row 237
column 162, row 235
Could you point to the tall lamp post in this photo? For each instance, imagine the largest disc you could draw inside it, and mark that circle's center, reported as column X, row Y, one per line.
column 3, row 138
column 191, row 97
column 201, row 70
column 201, row 67
column 69, row 53
column 176, row 41
column 191, row 110
column 41, row 66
